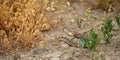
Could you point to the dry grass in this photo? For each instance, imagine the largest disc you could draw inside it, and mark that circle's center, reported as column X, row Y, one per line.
column 20, row 22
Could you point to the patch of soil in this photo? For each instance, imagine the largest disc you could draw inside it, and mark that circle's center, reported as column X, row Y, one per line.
column 61, row 43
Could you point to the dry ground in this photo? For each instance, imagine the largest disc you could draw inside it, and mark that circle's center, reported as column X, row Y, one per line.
column 61, row 41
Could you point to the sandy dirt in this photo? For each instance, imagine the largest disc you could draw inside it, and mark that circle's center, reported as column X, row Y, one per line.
column 61, row 41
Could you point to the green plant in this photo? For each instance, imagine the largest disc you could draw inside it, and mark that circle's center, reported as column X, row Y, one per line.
column 107, row 29
column 83, row 42
column 90, row 43
column 118, row 20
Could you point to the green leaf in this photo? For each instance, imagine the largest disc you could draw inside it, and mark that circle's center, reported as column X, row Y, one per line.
column 83, row 41
column 93, row 35
column 99, row 37
column 89, row 44
column 118, row 20
column 92, row 44
column 107, row 28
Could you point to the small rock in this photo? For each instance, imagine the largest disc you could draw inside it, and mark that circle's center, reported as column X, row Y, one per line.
column 71, row 34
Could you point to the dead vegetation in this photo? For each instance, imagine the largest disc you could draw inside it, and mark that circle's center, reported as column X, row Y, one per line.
column 20, row 22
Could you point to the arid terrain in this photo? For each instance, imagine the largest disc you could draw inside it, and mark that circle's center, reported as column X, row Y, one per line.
column 60, row 34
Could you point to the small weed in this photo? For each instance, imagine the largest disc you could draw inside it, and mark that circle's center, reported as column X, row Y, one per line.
column 118, row 20
column 107, row 29
column 78, row 22
column 83, row 42
column 90, row 43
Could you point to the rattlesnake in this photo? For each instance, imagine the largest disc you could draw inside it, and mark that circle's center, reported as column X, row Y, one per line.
column 78, row 34
column 68, row 41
